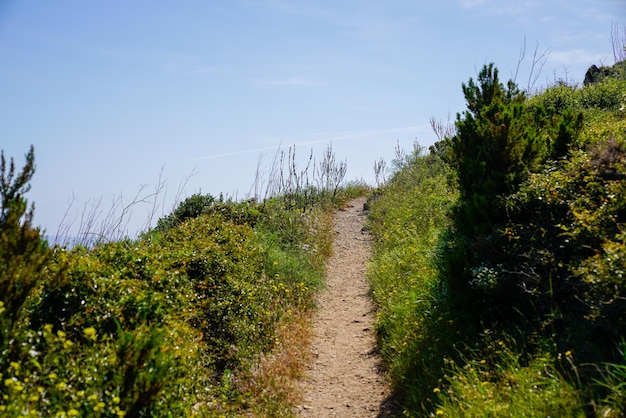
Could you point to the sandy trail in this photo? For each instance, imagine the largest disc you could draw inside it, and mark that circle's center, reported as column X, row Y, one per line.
column 345, row 378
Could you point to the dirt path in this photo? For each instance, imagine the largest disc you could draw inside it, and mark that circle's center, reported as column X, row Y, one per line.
column 344, row 378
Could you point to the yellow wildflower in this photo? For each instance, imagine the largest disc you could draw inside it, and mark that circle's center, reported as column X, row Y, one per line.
column 90, row 333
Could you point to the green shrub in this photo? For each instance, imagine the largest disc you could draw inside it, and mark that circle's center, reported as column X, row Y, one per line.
column 512, row 387
column 225, row 266
column 166, row 325
column 134, row 373
column 245, row 212
column 499, row 141
column 608, row 96
column 533, row 256
column 559, row 97
column 22, row 250
column 192, row 207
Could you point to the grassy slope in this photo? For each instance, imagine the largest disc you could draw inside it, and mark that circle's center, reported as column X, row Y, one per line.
column 454, row 358
column 191, row 319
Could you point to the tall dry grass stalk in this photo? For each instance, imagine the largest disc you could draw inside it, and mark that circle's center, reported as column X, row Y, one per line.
column 618, row 41
column 94, row 223
column 284, row 176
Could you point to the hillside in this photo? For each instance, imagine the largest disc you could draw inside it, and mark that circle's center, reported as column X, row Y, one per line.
column 497, row 273
column 203, row 315
column 500, row 256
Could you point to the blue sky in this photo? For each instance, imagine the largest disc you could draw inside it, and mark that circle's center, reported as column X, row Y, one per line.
column 111, row 93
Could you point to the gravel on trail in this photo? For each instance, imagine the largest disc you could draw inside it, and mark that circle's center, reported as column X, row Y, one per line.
column 345, row 377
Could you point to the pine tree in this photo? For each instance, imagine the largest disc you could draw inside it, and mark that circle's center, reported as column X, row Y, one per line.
column 23, row 252
column 500, row 140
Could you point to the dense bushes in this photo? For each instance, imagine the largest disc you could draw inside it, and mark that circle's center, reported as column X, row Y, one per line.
column 535, row 200
column 549, row 267
column 169, row 324
column 530, row 272
column 199, row 204
column 499, row 141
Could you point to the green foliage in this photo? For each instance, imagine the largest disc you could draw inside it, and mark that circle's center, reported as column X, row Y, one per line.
column 13, row 188
column 607, row 96
column 578, row 209
column 532, row 260
column 23, row 258
column 166, row 325
column 488, row 149
column 499, row 141
column 230, row 290
column 192, row 207
column 198, row 204
column 511, row 387
column 440, row 360
column 97, row 375
column 22, row 251
column 604, row 74
column 407, row 217
column 614, row 380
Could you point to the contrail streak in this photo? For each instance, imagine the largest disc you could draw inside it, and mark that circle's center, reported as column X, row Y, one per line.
column 312, row 142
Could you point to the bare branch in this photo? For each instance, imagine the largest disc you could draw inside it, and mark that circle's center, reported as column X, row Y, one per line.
column 442, row 129
column 181, row 188
column 538, row 60
column 522, row 55
column 380, row 174
column 158, row 189
column 618, row 42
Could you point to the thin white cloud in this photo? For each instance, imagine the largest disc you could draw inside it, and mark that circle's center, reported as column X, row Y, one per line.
column 290, row 81
column 330, row 138
column 501, row 7
column 212, row 69
column 380, row 32
column 573, row 57
column 375, row 26
column 469, row 4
